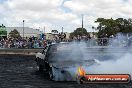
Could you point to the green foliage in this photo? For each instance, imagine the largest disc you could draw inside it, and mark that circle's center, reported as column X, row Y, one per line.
column 108, row 27
column 14, row 34
column 3, row 32
column 79, row 32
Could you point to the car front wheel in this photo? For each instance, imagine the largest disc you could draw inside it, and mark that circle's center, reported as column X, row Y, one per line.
column 50, row 73
column 41, row 68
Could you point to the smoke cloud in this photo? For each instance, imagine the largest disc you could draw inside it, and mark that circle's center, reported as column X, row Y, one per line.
column 115, row 58
column 120, row 51
column 121, row 66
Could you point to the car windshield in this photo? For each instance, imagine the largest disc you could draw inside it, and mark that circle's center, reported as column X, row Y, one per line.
column 60, row 52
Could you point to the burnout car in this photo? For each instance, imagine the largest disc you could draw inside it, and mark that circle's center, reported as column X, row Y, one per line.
column 61, row 61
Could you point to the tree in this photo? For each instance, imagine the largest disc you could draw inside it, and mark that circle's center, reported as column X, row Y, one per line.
column 54, row 31
column 79, row 32
column 14, row 34
column 108, row 27
column 2, row 26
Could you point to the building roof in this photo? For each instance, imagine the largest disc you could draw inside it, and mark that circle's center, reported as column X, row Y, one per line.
column 27, row 30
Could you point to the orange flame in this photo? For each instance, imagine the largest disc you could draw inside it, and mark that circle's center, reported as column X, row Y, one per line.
column 81, row 71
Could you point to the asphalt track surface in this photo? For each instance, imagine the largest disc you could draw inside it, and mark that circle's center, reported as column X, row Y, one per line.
column 20, row 71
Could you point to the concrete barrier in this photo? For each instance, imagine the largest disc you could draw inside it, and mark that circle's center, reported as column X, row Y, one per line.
column 21, row 51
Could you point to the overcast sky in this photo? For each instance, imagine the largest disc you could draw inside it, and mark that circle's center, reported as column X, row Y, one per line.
column 53, row 14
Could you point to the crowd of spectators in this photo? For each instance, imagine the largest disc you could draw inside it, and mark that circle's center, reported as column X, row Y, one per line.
column 31, row 42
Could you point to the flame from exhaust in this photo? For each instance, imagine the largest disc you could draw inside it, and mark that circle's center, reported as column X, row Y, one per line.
column 81, row 71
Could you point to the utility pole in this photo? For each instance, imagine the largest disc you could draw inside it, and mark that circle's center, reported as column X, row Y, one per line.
column 23, row 29
column 44, row 29
column 82, row 21
column 82, row 24
column 62, row 30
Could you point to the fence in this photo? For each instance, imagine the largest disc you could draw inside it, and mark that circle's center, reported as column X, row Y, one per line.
column 113, row 42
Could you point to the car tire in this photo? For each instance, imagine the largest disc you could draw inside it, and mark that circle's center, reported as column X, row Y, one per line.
column 41, row 68
column 80, row 80
column 50, row 73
